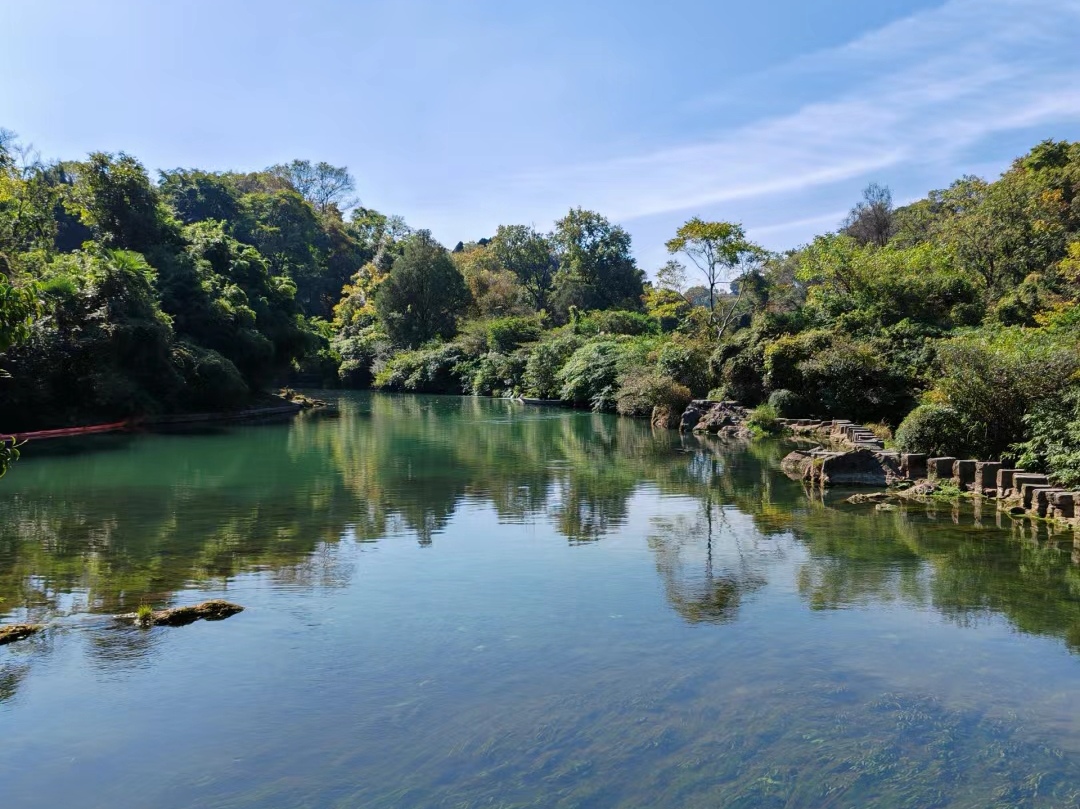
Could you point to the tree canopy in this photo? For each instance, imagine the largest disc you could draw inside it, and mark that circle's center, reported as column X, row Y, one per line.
column 421, row 298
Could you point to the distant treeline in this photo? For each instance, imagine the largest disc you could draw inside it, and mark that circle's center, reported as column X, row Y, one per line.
column 953, row 319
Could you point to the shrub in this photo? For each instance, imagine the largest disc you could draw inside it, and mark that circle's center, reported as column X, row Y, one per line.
column 788, row 404
column 359, row 355
column 764, row 420
column 742, row 378
column 1054, row 442
column 433, row 369
column 212, row 382
column 738, row 365
column 497, row 374
column 615, row 321
column 992, row 379
column 545, row 360
column 686, row 363
column 504, row 334
column 591, row 375
column 933, row 429
column 783, row 356
column 850, row 380
column 641, row 392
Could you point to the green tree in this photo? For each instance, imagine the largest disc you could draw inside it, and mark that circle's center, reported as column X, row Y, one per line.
column 495, row 291
column 529, row 256
column 198, row 195
column 115, row 198
column 1005, row 230
column 421, row 298
column 721, row 251
column 596, row 267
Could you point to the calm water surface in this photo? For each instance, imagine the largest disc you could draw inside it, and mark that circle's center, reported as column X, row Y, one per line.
column 469, row 603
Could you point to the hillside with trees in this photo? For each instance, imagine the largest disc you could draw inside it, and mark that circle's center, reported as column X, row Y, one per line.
column 952, row 320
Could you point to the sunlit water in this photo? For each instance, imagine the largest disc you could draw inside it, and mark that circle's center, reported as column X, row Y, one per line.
column 471, row 603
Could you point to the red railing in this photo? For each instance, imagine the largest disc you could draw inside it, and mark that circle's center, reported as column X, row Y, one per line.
column 68, row 432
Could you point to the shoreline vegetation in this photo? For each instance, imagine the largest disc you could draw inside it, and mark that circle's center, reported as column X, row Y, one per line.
column 948, row 326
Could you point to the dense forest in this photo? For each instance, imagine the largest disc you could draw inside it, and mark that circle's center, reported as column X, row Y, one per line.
column 951, row 322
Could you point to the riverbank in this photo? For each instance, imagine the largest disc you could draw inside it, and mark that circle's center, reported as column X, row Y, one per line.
column 265, row 408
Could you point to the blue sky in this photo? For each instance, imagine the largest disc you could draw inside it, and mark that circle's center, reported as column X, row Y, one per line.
column 464, row 115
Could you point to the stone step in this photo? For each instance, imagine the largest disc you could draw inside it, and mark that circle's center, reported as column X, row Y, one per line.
column 939, row 468
column 1063, row 505
column 1029, row 492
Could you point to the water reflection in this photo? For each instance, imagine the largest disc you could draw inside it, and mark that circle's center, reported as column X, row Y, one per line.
column 669, row 622
column 105, row 531
column 11, row 675
column 707, row 573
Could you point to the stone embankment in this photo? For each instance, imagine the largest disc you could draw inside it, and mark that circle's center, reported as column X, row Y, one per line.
column 856, row 457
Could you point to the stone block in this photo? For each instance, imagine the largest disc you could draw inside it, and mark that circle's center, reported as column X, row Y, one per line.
column 939, row 468
column 963, row 473
column 986, row 473
column 1040, row 501
column 1063, row 505
column 1020, row 479
column 1005, row 480
column 1028, row 492
column 913, row 465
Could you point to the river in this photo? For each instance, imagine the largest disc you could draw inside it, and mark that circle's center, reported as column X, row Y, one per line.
column 458, row 602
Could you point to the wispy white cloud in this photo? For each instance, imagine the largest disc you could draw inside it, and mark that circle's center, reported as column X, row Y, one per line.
column 828, row 221
column 919, row 91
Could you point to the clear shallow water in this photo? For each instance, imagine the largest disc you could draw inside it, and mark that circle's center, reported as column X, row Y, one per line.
column 468, row 603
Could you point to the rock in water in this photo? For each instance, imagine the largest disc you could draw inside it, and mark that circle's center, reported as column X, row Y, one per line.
column 796, row 465
column 707, row 416
column 14, row 632
column 874, row 497
column 691, row 416
column 664, row 417
column 860, row 467
column 213, row 610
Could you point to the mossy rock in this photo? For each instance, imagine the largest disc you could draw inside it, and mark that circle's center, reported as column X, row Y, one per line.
column 14, row 632
column 213, row 610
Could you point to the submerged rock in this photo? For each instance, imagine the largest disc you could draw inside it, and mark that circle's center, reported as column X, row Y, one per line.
column 922, row 489
column 213, row 610
column 874, row 497
column 14, row 632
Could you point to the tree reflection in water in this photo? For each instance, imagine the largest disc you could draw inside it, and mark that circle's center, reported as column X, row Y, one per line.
column 685, row 559
column 105, row 531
